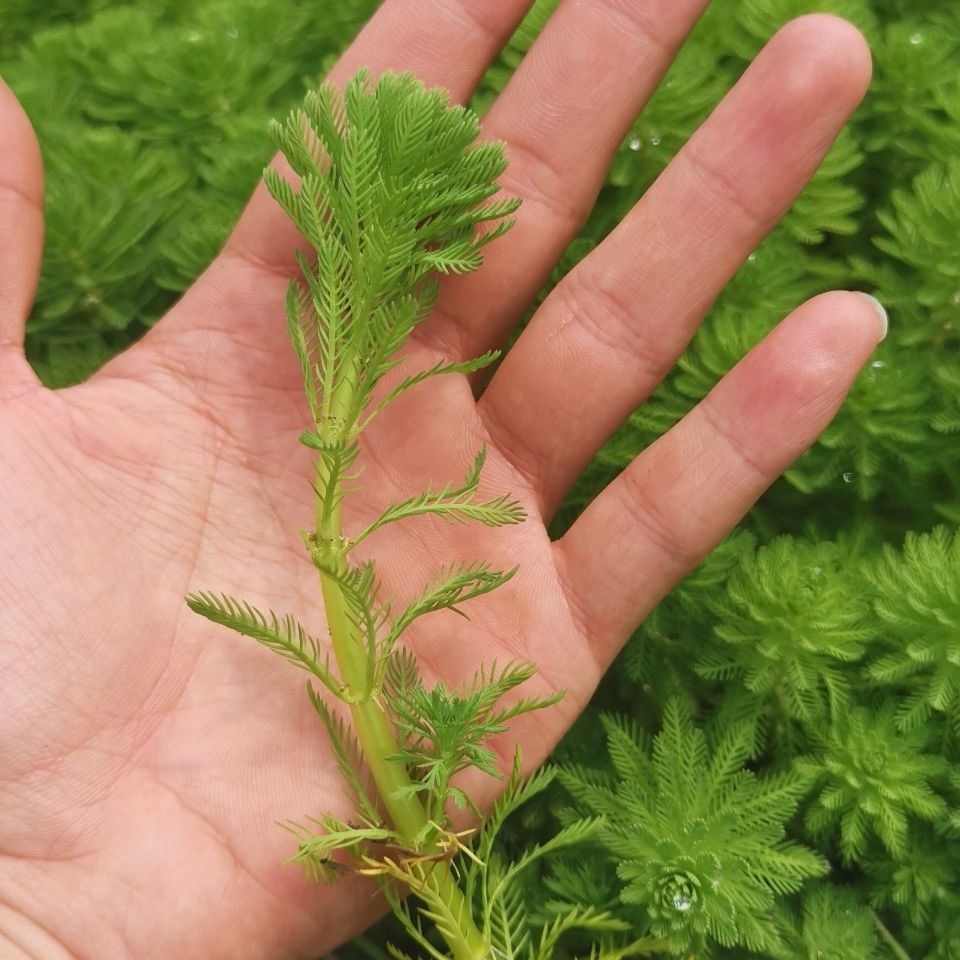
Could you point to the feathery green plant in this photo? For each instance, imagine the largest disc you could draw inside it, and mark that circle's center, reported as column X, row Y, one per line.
column 784, row 633
column 699, row 841
column 873, row 779
column 832, row 925
column 392, row 188
column 919, row 602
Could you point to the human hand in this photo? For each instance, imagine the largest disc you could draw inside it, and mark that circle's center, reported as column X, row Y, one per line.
column 146, row 753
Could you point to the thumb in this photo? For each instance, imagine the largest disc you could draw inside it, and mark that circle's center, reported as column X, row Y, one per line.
column 21, row 240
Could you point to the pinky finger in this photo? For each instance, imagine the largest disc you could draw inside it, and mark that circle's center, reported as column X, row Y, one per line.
column 684, row 493
column 21, row 239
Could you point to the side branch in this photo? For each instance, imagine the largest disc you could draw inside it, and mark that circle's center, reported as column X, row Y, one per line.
column 283, row 635
column 455, row 505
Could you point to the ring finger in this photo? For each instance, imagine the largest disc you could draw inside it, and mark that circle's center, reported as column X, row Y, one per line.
column 562, row 115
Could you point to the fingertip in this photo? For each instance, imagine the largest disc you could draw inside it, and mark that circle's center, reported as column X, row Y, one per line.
column 883, row 318
column 826, row 49
column 849, row 40
column 852, row 308
column 839, row 331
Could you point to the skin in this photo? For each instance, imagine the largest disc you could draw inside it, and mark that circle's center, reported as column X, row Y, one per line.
column 144, row 753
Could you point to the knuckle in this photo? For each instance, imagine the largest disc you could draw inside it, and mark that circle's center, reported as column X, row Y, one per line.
column 656, row 526
column 609, row 322
column 646, row 19
column 532, row 175
column 733, row 440
column 477, row 14
column 721, row 181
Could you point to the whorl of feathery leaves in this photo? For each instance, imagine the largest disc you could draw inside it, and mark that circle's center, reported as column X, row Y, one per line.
column 699, row 840
column 392, row 188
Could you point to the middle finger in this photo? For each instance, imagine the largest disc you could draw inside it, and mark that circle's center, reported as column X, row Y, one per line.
column 562, row 116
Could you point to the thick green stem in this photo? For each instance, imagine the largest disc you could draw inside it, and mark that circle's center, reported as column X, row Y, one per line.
column 377, row 738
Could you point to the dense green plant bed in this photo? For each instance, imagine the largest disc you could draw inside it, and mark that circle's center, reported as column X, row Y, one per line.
column 789, row 717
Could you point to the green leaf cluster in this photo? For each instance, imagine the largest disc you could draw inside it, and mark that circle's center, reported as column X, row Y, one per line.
column 506, row 888
column 873, row 779
column 697, row 839
column 391, row 189
column 787, row 628
column 837, row 656
column 443, row 732
column 831, row 924
column 918, row 603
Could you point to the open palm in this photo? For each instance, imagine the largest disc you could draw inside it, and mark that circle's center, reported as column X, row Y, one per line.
column 146, row 753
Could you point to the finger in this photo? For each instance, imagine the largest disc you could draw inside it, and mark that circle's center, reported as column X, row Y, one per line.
column 446, row 43
column 610, row 331
column 684, row 493
column 21, row 239
column 562, row 116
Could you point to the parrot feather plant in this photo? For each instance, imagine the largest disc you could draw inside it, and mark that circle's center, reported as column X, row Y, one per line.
column 392, row 190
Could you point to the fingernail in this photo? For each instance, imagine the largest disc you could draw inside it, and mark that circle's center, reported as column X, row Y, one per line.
column 881, row 312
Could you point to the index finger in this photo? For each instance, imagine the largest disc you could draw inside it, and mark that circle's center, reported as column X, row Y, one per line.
column 446, row 43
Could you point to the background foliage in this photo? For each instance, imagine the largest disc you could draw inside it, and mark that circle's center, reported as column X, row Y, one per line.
column 793, row 708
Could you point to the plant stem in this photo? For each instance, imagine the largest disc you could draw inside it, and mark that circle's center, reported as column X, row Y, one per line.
column 374, row 732
column 891, row 941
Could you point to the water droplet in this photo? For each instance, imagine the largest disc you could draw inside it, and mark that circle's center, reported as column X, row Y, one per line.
column 656, row 140
column 681, row 902
column 192, row 36
column 877, row 365
column 917, row 39
column 232, row 33
column 635, row 143
column 849, row 477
